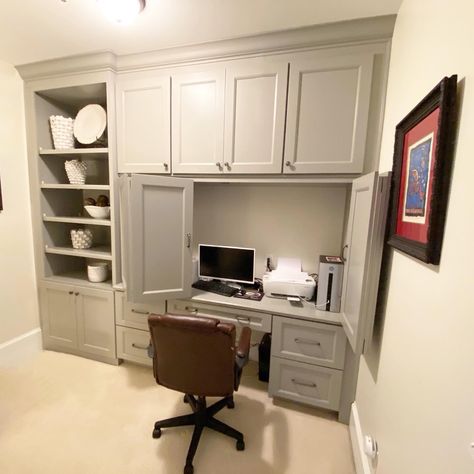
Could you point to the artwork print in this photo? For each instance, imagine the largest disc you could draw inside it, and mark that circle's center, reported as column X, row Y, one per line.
column 418, row 180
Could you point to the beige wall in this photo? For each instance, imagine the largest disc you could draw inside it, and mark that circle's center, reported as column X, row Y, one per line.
column 277, row 220
column 18, row 301
column 420, row 405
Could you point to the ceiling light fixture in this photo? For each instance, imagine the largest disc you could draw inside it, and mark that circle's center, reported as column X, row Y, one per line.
column 122, row 11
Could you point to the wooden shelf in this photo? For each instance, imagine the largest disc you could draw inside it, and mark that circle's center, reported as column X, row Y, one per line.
column 101, row 253
column 77, row 220
column 100, row 152
column 79, row 278
column 101, row 187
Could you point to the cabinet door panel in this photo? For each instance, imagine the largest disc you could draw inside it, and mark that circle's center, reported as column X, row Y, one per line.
column 58, row 315
column 161, row 221
column 95, row 321
column 255, row 116
column 363, row 254
column 328, row 105
column 198, row 121
column 143, row 124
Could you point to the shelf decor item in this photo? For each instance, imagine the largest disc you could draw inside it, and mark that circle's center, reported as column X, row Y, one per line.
column 90, row 124
column 81, row 238
column 97, row 272
column 62, row 131
column 98, row 212
column 76, row 171
column 422, row 162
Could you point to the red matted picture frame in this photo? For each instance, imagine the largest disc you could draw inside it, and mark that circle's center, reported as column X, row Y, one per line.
column 422, row 162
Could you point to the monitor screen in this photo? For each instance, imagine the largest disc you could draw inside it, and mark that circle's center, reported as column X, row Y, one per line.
column 227, row 263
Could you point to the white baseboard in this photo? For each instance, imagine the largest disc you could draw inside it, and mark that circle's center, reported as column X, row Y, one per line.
column 21, row 348
column 355, row 429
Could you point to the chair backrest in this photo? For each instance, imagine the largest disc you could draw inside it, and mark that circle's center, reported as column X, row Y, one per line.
column 193, row 355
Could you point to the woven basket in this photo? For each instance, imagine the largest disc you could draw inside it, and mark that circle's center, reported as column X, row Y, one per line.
column 76, row 171
column 62, row 130
column 81, row 238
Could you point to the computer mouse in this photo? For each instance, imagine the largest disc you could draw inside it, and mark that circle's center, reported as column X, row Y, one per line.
column 242, row 291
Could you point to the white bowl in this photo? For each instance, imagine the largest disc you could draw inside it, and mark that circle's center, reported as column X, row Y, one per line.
column 98, row 212
column 97, row 272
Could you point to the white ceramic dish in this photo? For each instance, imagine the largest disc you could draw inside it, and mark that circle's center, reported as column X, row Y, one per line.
column 90, row 124
column 97, row 272
column 98, row 212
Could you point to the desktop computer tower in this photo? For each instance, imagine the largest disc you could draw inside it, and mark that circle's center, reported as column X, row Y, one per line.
column 331, row 270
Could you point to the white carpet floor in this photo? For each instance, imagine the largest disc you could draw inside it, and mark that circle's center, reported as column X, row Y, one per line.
column 65, row 414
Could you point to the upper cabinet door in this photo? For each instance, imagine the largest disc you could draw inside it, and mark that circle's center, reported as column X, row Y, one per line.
column 143, row 124
column 198, row 121
column 160, row 227
column 363, row 255
column 255, row 116
column 328, row 105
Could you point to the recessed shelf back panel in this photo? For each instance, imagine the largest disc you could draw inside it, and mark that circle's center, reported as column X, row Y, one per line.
column 59, row 234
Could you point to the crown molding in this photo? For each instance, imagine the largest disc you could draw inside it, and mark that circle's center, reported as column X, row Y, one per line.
column 310, row 37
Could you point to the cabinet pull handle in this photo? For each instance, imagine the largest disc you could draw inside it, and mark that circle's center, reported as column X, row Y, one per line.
column 190, row 309
column 188, row 240
column 219, row 165
column 139, row 346
column 303, row 382
column 344, row 252
column 227, row 165
column 137, row 311
column 242, row 319
column 307, row 341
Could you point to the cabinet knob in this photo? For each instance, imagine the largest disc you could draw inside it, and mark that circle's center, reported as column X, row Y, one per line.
column 165, row 166
column 219, row 165
column 71, row 292
column 288, row 163
column 227, row 165
column 77, row 293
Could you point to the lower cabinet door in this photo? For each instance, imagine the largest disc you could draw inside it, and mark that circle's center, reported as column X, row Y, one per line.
column 58, row 316
column 305, row 383
column 95, row 321
column 132, row 344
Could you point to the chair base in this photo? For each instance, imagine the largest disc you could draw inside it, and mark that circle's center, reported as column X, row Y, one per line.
column 202, row 416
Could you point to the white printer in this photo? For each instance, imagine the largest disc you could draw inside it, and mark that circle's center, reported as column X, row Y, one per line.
column 288, row 280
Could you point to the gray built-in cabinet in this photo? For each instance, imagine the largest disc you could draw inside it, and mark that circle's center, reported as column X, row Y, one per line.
column 300, row 107
column 229, row 117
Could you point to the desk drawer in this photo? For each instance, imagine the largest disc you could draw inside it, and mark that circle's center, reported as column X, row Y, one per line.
column 132, row 344
column 135, row 315
column 310, row 342
column 239, row 317
column 305, row 383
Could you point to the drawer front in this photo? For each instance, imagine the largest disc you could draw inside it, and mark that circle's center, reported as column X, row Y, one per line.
column 310, row 342
column 252, row 319
column 135, row 315
column 132, row 344
column 305, row 383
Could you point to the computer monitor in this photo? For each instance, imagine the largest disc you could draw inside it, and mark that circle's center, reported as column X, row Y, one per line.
column 227, row 263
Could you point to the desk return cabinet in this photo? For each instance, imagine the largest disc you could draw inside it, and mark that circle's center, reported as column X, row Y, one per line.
column 309, row 363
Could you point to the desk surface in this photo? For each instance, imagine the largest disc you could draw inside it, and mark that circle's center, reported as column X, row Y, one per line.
column 276, row 306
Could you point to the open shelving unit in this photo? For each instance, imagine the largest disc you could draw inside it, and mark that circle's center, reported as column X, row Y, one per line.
column 61, row 204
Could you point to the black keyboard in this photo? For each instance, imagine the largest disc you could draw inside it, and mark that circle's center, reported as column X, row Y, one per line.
column 215, row 287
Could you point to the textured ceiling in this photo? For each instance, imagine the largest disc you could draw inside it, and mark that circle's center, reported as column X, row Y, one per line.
column 34, row 30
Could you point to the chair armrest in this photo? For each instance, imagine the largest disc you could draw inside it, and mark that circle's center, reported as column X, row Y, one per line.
column 243, row 348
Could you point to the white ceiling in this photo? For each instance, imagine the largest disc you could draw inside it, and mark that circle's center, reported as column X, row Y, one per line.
column 34, row 30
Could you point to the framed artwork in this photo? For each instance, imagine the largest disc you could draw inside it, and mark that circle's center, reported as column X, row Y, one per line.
column 422, row 162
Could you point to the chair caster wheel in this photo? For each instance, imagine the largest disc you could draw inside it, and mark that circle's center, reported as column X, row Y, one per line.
column 188, row 469
column 240, row 445
column 185, row 400
column 230, row 404
column 156, row 433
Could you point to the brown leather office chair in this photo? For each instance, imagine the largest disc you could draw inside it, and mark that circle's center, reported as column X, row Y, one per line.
column 197, row 356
